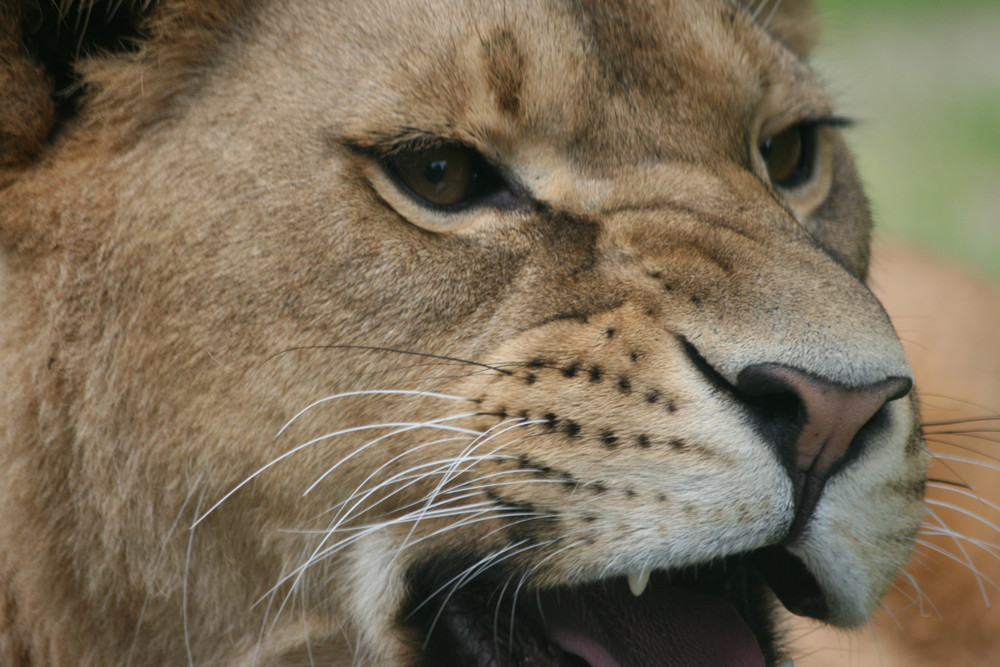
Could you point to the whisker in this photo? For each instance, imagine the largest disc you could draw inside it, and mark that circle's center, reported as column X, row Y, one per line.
column 919, row 596
column 298, row 448
column 461, row 576
column 184, row 589
column 962, row 510
column 451, row 498
column 993, row 550
column 492, row 560
column 361, row 532
column 961, row 490
column 376, row 348
column 953, row 422
column 404, row 428
column 962, row 459
column 967, row 563
column 524, row 578
column 410, row 451
column 370, row 392
column 361, row 492
column 479, row 442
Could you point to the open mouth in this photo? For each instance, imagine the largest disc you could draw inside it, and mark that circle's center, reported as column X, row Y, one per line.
column 715, row 614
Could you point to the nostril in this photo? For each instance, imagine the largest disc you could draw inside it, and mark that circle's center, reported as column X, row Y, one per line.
column 813, row 422
column 824, row 416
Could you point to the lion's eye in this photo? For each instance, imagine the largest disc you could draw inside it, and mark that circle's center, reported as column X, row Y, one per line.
column 447, row 177
column 789, row 155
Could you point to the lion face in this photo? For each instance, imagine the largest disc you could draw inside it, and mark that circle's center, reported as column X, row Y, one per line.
column 438, row 334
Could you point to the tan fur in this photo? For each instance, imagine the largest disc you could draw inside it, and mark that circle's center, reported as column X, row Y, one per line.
column 210, row 248
column 948, row 319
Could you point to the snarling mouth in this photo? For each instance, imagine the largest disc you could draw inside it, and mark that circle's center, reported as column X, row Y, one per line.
column 715, row 614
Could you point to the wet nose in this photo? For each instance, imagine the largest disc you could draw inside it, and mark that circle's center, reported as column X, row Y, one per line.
column 814, row 423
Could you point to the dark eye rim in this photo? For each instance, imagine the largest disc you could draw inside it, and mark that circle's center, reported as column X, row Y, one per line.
column 809, row 137
column 488, row 187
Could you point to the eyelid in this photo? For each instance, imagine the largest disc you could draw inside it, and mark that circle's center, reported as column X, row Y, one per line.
column 390, row 146
column 827, row 121
column 814, row 121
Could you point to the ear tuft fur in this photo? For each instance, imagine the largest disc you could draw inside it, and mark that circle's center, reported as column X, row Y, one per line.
column 41, row 43
column 792, row 21
column 27, row 111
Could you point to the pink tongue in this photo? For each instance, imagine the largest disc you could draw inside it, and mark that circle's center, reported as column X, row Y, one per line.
column 608, row 627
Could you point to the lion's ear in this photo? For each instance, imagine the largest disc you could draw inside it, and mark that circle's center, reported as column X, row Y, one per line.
column 27, row 108
column 41, row 44
column 792, row 21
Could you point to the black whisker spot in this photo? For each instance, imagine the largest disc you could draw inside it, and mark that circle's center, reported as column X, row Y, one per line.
column 571, row 428
column 624, row 385
column 535, row 363
column 652, row 396
column 609, row 439
column 530, row 378
column 550, row 419
column 677, row 443
column 596, row 373
column 643, row 440
column 633, row 356
column 610, row 332
column 571, row 370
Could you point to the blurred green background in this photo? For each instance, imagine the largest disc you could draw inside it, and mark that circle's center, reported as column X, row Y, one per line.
column 922, row 77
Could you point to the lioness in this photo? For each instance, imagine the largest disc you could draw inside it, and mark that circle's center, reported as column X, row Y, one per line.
column 436, row 333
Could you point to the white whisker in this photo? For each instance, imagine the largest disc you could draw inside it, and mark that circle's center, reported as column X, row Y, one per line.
column 963, row 459
column 524, row 578
column 294, row 450
column 479, row 442
column 962, row 510
column 404, row 428
column 368, row 392
column 992, row 549
column 980, row 577
column 964, row 492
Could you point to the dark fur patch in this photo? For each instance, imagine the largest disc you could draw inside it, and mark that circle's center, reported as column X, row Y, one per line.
column 505, row 63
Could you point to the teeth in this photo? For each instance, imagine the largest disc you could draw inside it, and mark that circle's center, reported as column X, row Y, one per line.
column 638, row 580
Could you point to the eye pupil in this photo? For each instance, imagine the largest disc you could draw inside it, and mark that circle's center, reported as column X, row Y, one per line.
column 434, row 173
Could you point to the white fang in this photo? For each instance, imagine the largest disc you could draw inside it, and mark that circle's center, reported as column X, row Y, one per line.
column 637, row 581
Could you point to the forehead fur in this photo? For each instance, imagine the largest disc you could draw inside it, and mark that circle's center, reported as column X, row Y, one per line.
column 172, row 42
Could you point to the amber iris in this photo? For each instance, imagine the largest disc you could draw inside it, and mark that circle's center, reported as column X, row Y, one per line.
column 444, row 176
